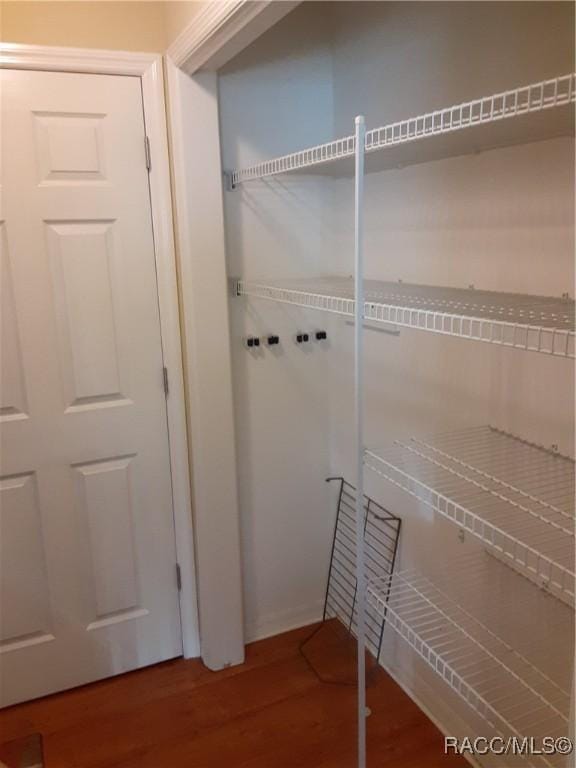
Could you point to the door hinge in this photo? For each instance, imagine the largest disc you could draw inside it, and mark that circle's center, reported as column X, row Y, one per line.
column 165, row 378
column 178, row 577
column 147, row 152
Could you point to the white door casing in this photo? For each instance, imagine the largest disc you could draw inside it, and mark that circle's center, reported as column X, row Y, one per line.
column 88, row 585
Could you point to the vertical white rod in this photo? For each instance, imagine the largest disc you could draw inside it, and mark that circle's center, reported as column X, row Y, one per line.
column 359, row 436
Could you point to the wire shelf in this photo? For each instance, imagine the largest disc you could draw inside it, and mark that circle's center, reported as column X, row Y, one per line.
column 533, row 323
column 469, row 622
column 523, row 100
column 514, row 496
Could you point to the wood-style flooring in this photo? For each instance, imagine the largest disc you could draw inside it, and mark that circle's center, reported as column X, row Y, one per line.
column 271, row 712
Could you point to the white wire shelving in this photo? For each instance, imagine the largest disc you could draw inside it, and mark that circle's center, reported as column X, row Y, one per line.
column 512, row 495
column 503, row 647
column 533, row 323
column 495, row 108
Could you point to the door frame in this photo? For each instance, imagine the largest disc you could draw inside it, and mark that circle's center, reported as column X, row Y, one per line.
column 148, row 68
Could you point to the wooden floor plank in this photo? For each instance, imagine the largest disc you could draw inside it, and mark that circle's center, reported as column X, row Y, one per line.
column 271, row 712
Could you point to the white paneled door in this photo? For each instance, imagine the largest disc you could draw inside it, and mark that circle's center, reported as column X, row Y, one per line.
column 88, row 569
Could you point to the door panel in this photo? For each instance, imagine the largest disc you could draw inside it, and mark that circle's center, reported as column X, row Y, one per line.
column 86, row 524
column 70, row 147
column 86, row 269
column 12, row 389
column 105, row 498
column 27, row 620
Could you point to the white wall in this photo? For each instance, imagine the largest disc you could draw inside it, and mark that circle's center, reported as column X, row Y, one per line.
column 395, row 59
column 274, row 96
column 503, row 220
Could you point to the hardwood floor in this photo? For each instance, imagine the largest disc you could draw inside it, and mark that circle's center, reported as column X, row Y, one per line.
column 271, row 712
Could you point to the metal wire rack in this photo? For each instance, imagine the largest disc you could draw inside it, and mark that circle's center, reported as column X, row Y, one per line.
column 515, row 496
column 381, row 534
column 523, row 100
column 533, row 323
column 517, row 680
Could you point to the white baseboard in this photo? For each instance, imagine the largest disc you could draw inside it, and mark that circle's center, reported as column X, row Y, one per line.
column 283, row 621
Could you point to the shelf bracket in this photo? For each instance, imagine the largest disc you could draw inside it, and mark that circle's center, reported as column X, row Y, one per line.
column 229, row 185
column 234, row 287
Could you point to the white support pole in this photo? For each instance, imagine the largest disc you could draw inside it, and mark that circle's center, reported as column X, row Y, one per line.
column 359, row 436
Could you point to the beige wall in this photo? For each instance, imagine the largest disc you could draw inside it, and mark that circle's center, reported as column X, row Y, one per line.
column 130, row 26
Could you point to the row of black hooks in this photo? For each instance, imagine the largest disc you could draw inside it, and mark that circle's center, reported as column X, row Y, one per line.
column 272, row 340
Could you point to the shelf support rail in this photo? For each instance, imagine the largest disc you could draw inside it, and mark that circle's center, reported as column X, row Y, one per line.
column 360, row 144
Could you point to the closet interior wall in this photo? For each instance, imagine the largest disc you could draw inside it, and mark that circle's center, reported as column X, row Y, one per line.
column 501, row 219
column 275, row 95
